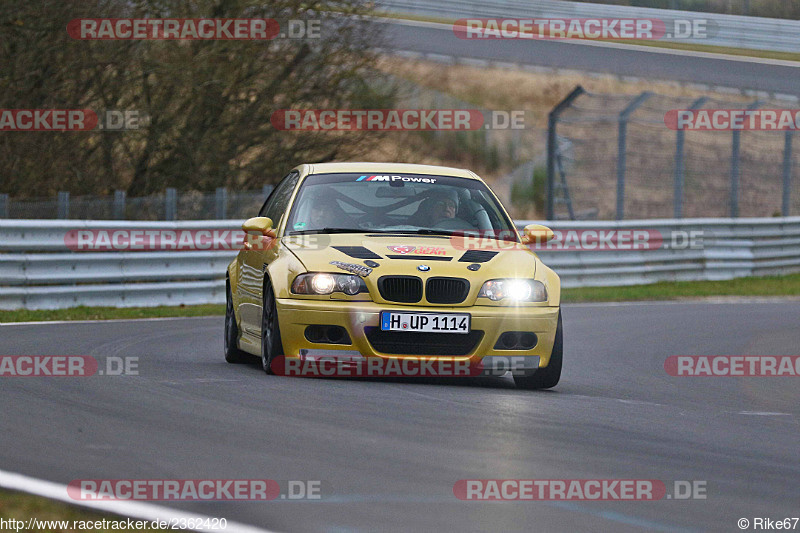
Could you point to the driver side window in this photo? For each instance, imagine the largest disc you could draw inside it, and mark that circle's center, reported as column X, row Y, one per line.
column 276, row 204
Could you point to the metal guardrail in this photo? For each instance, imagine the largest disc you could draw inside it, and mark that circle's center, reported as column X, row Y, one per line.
column 39, row 271
column 725, row 30
column 723, row 249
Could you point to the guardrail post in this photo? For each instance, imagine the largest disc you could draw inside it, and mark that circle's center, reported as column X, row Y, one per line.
column 119, row 205
column 552, row 121
column 63, row 205
column 222, row 203
column 735, row 169
column 679, row 162
column 622, row 156
column 171, row 204
column 4, row 201
column 787, row 174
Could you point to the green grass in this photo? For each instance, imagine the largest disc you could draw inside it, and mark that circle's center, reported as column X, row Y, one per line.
column 773, row 286
column 764, row 54
column 21, row 506
column 110, row 313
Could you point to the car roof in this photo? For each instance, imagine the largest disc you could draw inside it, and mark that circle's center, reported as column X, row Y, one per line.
column 399, row 168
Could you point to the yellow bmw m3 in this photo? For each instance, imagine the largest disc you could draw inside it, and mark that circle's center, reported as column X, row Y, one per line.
column 389, row 260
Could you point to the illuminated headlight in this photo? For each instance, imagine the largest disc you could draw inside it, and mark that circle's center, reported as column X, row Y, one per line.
column 514, row 290
column 324, row 283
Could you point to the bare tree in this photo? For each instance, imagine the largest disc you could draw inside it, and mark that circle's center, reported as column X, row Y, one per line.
column 208, row 103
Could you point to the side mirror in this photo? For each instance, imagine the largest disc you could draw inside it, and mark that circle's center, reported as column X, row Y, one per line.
column 536, row 234
column 260, row 225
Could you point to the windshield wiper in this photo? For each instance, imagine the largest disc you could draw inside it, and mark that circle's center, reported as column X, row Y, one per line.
column 441, row 232
column 327, row 230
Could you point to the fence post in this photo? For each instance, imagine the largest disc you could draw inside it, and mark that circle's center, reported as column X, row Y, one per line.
column 4, row 205
column 735, row 170
column 679, row 145
column 552, row 121
column 171, row 204
column 63, row 205
column 222, row 203
column 119, row 205
column 622, row 156
column 787, row 174
column 735, row 174
column 515, row 138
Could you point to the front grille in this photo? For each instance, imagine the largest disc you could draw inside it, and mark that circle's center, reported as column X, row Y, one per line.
column 408, row 343
column 446, row 290
column 405, row 289
column 477, row 256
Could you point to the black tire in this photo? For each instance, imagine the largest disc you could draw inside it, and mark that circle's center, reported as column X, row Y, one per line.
column 271, row 345
column 232, row 352
column 547, row 377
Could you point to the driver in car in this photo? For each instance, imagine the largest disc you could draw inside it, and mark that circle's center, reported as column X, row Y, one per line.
column 326, row 211
column 443, row 205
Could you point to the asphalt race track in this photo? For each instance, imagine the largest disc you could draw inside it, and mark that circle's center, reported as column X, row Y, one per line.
column 621, row 60
column 388, row 452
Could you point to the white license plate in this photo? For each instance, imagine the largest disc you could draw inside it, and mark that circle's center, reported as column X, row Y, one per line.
column 425, row 322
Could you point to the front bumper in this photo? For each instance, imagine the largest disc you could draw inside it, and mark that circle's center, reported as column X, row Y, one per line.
column 295, row 315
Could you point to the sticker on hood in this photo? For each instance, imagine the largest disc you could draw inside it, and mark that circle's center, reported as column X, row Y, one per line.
column 359, row 270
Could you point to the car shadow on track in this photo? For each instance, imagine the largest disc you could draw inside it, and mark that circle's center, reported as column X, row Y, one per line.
column 505, row 382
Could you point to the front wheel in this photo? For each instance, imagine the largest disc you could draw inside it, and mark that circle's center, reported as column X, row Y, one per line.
column 547, row 377
column 271, row 345
column 232, row 352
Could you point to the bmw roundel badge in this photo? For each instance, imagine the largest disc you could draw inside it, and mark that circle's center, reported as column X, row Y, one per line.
column 423, row 268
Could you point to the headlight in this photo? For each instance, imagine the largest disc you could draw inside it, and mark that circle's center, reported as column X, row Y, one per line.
column 324, row 283
column 514, row 290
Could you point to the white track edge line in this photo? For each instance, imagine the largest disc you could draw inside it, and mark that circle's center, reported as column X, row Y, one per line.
column 129, row 509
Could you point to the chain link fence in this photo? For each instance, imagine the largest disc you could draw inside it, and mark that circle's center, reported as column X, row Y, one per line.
column 496, row 144
column 612, row 156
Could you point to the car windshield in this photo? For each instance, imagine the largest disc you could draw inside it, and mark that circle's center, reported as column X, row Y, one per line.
column 407, row 203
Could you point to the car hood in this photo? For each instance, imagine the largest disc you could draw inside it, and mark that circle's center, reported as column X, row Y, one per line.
column 405, row 254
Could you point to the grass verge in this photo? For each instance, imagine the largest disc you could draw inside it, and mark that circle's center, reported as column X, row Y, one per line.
column 110, row 313
column 772, row 286
column 63, row 518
